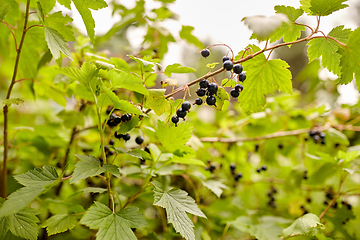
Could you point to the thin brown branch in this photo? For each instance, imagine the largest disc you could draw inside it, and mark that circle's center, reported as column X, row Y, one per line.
column 23, row 79
column 36, row 25
column 15, row 42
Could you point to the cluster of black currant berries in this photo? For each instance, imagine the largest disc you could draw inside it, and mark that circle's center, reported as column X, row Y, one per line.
column 211, row 166
column 238, row 69
column 209, row 89
column 263, row 168
column 181, row 112
column 317, row 136
column 236, row 176
column 272, row 199
column 115, row 120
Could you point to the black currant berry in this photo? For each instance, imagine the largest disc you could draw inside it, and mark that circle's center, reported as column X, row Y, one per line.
column 322, row 135
column 110, row 153
column 126, row 137
column 322, row 141
column 126, row 117
column 212, row 88
column 258, row 170
column 118, row 136
column 312, row 133
column 175, row 119
column 263, row 167
column 232, row 166
column 142, row 161
column 117, row 120
column 106, row 148
column 139, row 140
column 212, row 168
column 210, row 100
column 111, row 142
column 108, row 110
column 225, row 58
column 239, row 87
column 242, row 77
column 205, row 53
column 316, row 138
column 238, row 68
column 280, row 146
column 238, row 176
column 204, row 83
column 228, row 65
column 181, row 113
column 198, row 101
column 186, row 106
column 234, row 93
column 201, row 92
column 146, row 149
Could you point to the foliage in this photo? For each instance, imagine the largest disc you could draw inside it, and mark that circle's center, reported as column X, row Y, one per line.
column 100, row 145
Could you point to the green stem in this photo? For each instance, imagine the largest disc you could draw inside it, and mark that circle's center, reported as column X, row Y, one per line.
column 3, row 180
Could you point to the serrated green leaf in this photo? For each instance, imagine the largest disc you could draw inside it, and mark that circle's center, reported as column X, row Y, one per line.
column 114, row 170
column 24, row 223
column 139, row 154
column 127, row 81
column 348, row 156
column 216, row 187
column 144, row 63
column 304, row 225
column 349, row 62
column 85, row 75
column 9, row 102
column 264, row 77
column 305, row 5
column 326, row 7
column 186, row 34
column 65, row 3
column 96, row 4
column 221, row 96
column 228, row 82
column 177, row 203
column 337, row 136
column 38, row 177
column 127, row 126
column 93, row 190
column 173, row 137
column 4, row 223
column 60, row 23
column 56, row 43
column 88, row 166
column 290, row 31
column 177, row 68
column 113, row 225
column 4, row 9
column 47, row 5
column 328, row 49
column 59, row 223
column 121, row 104
column 121, row 64
column 156, row 101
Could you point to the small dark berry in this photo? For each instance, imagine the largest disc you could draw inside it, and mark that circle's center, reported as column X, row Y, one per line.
column 280, row 146
column 302, row 207
column 232, row 166
column 238, row 176
column 228, row 65
column 316, row 138
column 349, row 207
column 234, row 93
column 305, row 176
column 273, row 189
column 337, row 145
column 209, row 161
column 239, row 87
column 110, row 153
column 108, row 110
column 205, row 53
column 117, row 120
column 242, row 77
column 238, row 68
column 322, row 135
column 204, row 83
column 258, row 170
column 263, row 167
column 126, row 137
column 111, row 142
column 186, row 106
column 256, row 147
column 106, row 148
column 335, row 205
column 326, row 202
column 146, row 149
column 198, row 101
column 312, row 133
column 306, row 212
column 181, row 113
column 126, row 117
column 201, row 92
column 322, row 141
column 118, row 136
column 142, row 161
column 212, row 168
column 212, row 88
column 225, row 58
column 139, row 140
column 175, row 119
column 308, row 200
column 210, row 100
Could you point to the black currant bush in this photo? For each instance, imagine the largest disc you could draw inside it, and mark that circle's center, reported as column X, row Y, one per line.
column 258, row 156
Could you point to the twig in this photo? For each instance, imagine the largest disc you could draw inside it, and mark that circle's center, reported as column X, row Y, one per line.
column 16, row 49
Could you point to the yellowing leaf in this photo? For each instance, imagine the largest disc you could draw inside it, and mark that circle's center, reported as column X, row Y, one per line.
column 156, row 101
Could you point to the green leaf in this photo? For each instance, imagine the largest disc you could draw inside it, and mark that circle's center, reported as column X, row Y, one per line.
column 114, row 170
column 4, row 223
column 186, row 34
column 96, row 4
column 349, row 61
column 290, row 31
column 348, row 156
column 38, row 177
column 221, row 96
column 60, row 23
column 24, row 223
column 47, row 5
column 305, row 5
column 65, row 3
column 93, row 190
column 120, row 64
column 10, row 101
column 71, row 118
column 56, row 43
column 4, row 10
column 59, row 223
column 127, row 81
column 121, row 104
column 139, row 154
column 177, row 68
column 127, row 126
column 337, row 136
column 326, row 7
column 85, row 75
column 88, row 166
column 146, row 64
column 304, row 225
column 173, row 137
column 328, row 49
column 264, row 77
column 156, row 101
column 113, row 225
column 215, row 186
column 228, row 82
column 177, row 203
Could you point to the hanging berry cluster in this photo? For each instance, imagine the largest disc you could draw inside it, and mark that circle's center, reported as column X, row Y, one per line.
column 181, row 112
column 317, row 136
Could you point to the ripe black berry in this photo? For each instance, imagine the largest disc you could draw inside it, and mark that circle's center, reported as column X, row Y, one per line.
column 175, row 119
column 232, row 166
column 118, row 136
column 212, row 168
column 280, row 146
column 212, row 88
column 126, row 117
column 142, row 161
column 238, row 176
column 146, row 149
column 117, row 120
column 201, row 92
column 322, row 135
column 181, row 113
column 204, row 83
column 139, row 140
column 239, row 87
column 111, row 142
column 263, row 167
column 186, row 106
column 238, row 68
column 198, row 101
column 242, row 77
column 210, row 100
column 258, row 170
column 126, row 137
column 225, row 58
column 205, row 53
column 322, row 141
column 316, row 138
column 228, row 65
column 312, row 133
column 234, row 93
